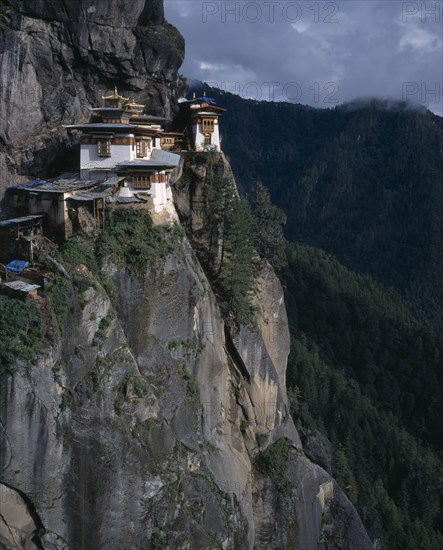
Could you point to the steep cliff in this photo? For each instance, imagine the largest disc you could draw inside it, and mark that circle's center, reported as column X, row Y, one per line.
column 144, row 420
column 147, row 423
column 58, row 58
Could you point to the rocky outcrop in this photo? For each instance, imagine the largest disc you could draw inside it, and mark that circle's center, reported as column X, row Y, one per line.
column 58, row 58
column 102, row 434
column 131, row 434
column 310, row 511
column 140, row 425
column 144, row 418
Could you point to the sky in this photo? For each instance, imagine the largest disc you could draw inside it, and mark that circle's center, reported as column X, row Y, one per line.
column 316, row 53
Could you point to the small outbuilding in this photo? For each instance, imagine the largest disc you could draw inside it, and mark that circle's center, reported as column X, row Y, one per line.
column 21, row 288
column 17, row 237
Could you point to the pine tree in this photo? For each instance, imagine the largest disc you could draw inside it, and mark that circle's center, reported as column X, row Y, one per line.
column 270, row 241
column 236, row 275
column 221, row 197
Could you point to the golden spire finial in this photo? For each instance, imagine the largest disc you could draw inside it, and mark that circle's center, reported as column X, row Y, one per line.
column 131, row 104
column 115, row 95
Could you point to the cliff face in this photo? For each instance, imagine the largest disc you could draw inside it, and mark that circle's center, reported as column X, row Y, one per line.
column 58, row 58
column 143, row 421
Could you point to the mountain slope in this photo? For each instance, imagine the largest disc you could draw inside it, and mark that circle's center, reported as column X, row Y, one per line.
column 367, row 374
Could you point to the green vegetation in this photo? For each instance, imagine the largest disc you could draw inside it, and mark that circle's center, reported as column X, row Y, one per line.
column 175, row 35
column 231, row 251
column 370, row 336
column 60, row 294
column 274, row 461
column 269, row 221
column 366, row 373
column 82, row 282
column 66, row 401
column 262, row 439
column 131, row 239
column 363, row 369
column 20, row 329
column 180, row 343
column 80, row 251
column 158, row 541
column 191, row 382
column 64, row 294
column 235, row 234
column 238, row 230
column 109, row 286
column 362, row 182
column 236, row 275
column 131, row 388
column 244, row 424
column 103, row 327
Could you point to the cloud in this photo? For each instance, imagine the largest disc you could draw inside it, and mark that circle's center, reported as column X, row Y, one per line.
column 422, row 41
column 333, row 51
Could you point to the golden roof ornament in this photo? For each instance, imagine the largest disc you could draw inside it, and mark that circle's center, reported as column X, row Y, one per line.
column 116, row 95
column 133, row 105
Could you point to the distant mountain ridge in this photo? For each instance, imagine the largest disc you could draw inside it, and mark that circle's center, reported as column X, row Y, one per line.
column 362, row 181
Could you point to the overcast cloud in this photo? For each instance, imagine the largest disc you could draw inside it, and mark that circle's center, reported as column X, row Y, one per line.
column 315, row 53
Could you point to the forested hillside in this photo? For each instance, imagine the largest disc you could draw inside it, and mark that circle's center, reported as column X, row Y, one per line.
column 362, row 181
column 368, row 375
column 365, row 382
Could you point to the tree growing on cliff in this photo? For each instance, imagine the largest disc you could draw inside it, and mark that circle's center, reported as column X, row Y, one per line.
column 232, row 238
column 221, row 197
column 270, row 241
column 236, row 275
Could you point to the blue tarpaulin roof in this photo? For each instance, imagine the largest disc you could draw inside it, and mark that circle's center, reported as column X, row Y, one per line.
column 16, row 266
column 204, row 98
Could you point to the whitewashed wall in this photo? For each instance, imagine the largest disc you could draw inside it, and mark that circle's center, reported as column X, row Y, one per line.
column 89, row 158
column 199, row 137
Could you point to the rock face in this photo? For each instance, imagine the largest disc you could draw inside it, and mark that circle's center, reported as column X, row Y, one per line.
column 314, row 512
column 141, row 424
column 58, row 58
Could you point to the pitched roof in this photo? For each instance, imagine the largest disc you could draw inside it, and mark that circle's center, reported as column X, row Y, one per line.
column 22, row 286
column 24, row 219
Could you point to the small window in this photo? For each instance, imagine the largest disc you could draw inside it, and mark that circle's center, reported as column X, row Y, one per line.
column 141, row 182
column 208, row 140
column 141, row 148
column 104, row 147
column 208, row 125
